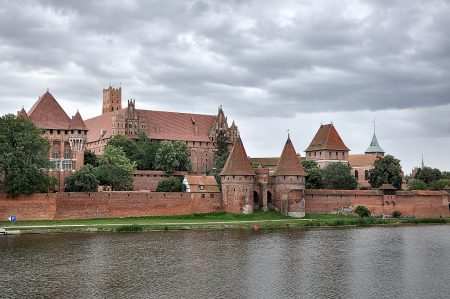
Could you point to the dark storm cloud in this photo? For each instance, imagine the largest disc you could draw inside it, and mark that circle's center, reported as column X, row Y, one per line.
column 257, row 58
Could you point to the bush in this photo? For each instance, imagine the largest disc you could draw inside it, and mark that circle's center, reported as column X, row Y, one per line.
column 129, row 228
column 396, row 214
column 416, row 184
column 171, row 184
column 82, row 180
column 362, row 211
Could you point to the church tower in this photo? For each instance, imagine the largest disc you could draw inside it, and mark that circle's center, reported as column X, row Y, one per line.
column 112, row 99
column 374, row 148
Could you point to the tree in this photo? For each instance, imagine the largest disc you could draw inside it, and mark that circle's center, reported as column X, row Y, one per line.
column 171, row 184
column 428, row 175
column 146, row 152
column 126, row 144
column 416, row 184
column 362, row 211
column 115, row 169
column 173, row 157
column 337, row 176
column 446, row 175
column 221, row 154
column 314, row 174
column 387, row 170
column 23, row 157
column 90, row 158
column 439, row 184
column 82, row 180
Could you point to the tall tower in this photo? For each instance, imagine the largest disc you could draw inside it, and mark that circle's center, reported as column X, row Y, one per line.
column 112, row 99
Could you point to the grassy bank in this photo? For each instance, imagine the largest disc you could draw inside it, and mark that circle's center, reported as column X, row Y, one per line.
column 264, row 220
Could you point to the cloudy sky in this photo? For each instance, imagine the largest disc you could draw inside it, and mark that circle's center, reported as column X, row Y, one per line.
column 273, row 65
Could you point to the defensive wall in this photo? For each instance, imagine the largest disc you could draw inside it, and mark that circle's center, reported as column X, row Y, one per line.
column 426, row 204
column 67, row 205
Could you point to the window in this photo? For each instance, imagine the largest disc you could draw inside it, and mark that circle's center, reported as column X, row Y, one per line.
column 330, row 154
column 55, row 153
column 366, row 175
column 356, row 174
column 201, row 187
column 203, row 195
column 67, row 153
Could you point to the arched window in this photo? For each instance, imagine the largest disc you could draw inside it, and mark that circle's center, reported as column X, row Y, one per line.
column 366, row 175
column 356, row 174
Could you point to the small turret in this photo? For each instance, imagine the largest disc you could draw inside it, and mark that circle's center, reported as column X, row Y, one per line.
column 374, row 147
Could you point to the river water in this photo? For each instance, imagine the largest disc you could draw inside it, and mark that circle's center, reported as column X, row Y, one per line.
column 394, row 262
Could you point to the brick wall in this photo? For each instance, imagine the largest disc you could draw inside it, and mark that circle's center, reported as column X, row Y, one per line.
column 148, row 180
column 65, row 205
column 411, row 203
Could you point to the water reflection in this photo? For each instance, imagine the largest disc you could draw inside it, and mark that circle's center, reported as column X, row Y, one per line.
column 292, row 263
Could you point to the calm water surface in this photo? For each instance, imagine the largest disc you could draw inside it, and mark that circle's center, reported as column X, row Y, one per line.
column 397, row 262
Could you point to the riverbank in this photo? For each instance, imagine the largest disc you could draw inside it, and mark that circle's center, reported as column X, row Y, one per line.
column 261, row 220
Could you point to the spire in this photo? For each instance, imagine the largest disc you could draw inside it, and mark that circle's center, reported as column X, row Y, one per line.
column 374, row 147
column 77, row 122
column 237, row 162
column 423, row 164
column 289, row 163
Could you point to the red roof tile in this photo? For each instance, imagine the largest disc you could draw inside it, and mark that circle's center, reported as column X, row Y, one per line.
column 77, row 123
column 327, row 138
column 289, row 163
column 100, row 127
column 237, row 162
column 46, row 113
column 361, row 159
column 208, row 182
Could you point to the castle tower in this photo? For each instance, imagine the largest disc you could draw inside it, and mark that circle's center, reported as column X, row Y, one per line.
column 374, row 148
column 289, row 183
column 327, row 147
column 237, row 179
column 112, row 99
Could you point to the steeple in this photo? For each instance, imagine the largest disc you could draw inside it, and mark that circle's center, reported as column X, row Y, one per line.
column 374, row 147
column 423, row 164
column 289, row 163
column 237, row 162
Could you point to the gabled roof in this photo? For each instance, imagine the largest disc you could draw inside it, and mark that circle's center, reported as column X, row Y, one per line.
column 374, row 146
column 289, row 163
column 237, row 162
column 100, row 127
column 77, row 123
column 209, row 183
column 327, row 138
column 361, row 160
column 46, row 113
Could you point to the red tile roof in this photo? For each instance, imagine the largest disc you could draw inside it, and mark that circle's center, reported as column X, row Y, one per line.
column 178, row 126
column 208, row 182
column 361, row 159
column 289, row 163
column 77, row 123
column 327, row 138
column 237, row 162
column 100, row 127
column 46, row 113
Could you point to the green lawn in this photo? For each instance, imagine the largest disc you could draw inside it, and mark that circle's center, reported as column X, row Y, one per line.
column 265, row 220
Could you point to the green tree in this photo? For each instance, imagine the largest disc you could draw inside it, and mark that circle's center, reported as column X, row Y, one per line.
column 173, row 157
column 221, row 154
column 146, row 152
column 90, row 158
column 387, row 170
column 115, row 169
column 314, row 174
column 23, row 157
column 337, row 176
column 439, row 184
column 428, row 175
column 446, row 175
column 82, row 180
column 416, row 184
column 362, row 211
column 126, row 144
column 171, row 184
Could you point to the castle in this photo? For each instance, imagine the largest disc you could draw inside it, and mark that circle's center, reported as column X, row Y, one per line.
column 198, row 131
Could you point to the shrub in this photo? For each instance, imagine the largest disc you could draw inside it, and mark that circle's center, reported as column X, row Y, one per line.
column 171, row 184
column 362, row 211
column 396, row 214
column 129, row 228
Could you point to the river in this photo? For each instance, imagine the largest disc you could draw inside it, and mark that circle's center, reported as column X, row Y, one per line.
column 382, row 262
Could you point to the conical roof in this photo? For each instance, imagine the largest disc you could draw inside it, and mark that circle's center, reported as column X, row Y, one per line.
column 237, row 162
column 22, row 113
column 46, row 113
column 77, row 123
column 374, row 146
column 327, row 138
column 289, row 163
